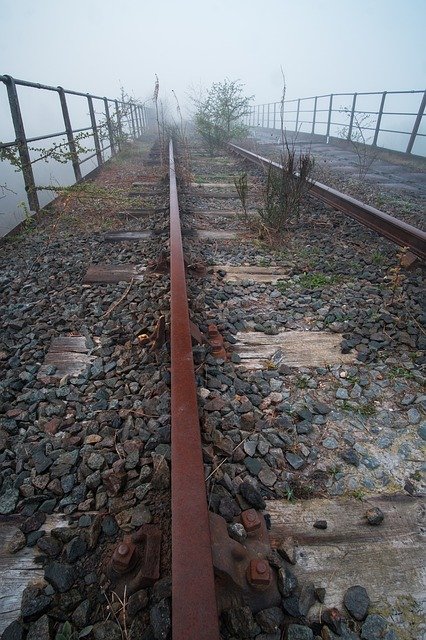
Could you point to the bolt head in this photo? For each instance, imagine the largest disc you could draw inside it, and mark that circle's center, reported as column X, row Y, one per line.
column 250, row 520
column 259, row 573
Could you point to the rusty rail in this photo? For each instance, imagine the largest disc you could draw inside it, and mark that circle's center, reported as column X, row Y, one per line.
column 399, row 232
column 194, row 609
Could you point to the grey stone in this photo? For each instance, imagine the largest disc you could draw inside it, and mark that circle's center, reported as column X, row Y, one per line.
column 270, row 620
column 109, row 525
column 330, row 443
column 160, row 620
column 237, row 532
column 267, row 477
column 34, row 602
column 299, row 632
column 240, row 622
column 356, row 601
column 370, row 462
column 76, row 548
column 95, row 461
column 249, row 447
column 375, row 516
column 254, row 465
column 413, row 416
column 320, row 407
column 14, row 631
column 351, row 457
column 60, row 575
column 107, row 630
column 422, row 431
column 39, row 630
column 374, row 628
column 81, row 615
column 287, row 582
column 252, row 495
column 342, row 394
column 294, row 460
column 9, row 500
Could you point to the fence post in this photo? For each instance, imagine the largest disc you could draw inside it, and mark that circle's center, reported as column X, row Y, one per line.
column 95, row 130
column 330, row 110
column 21, row 140
column 275, row 114
column 263, row 116
column 133, row 120
column 258, row 114
column 297, row 115
column 314, row 115
column 109, row 127
column 70, row 136
column 352, row 117
column 119, row 127
column 379, row 119
column 268, row 114
column 417, row 124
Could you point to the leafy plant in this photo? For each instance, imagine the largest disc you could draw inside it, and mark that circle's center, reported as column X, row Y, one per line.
column 218, row 113
column 284, row 190
column 241, row 186
column 317, row 280
column 401, row 372
column 66, row 632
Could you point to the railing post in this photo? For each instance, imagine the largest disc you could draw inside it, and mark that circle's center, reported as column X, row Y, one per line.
column 70, row 136
column 119, row 127
column 297, row 115
column 268, row 114
column 95, row 130
column 138, row 116
column 352, row 117
column 258, row 114
column 21, row 140
column 263, row 116
column 109, row 127
column 135, row 115
column 314, row 115
column 379, row 119
column 275, row 114
column 417, row 124
column 330, row 110
column 133, row 121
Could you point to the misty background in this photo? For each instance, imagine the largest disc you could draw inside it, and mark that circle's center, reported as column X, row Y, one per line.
column 101, row 46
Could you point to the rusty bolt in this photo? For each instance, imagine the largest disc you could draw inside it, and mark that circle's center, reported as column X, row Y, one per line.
column 123, row 556
column 250, row 520
column 259, row 573
column 212, row 331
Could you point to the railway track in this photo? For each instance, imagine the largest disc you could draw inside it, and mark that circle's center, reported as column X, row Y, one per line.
column 294, row 374
column 399, row 232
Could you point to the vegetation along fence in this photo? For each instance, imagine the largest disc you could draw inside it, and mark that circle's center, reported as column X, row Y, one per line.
column 390, row 119
column 106, row 124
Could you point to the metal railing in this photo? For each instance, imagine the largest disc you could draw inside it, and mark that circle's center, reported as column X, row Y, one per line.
column 107, row 135
column 321, row 117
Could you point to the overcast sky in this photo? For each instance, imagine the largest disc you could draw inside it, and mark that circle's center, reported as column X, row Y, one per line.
column 323, row 45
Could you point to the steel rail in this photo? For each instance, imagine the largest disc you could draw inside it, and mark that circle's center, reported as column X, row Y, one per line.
column 194, row 608
column 399, row 232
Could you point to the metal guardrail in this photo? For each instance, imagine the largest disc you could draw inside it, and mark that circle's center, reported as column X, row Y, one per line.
column 269, row 115
column 132, row 112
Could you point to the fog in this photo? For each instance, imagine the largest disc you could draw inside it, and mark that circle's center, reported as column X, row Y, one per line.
column 99, row 46
column 323, row 45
